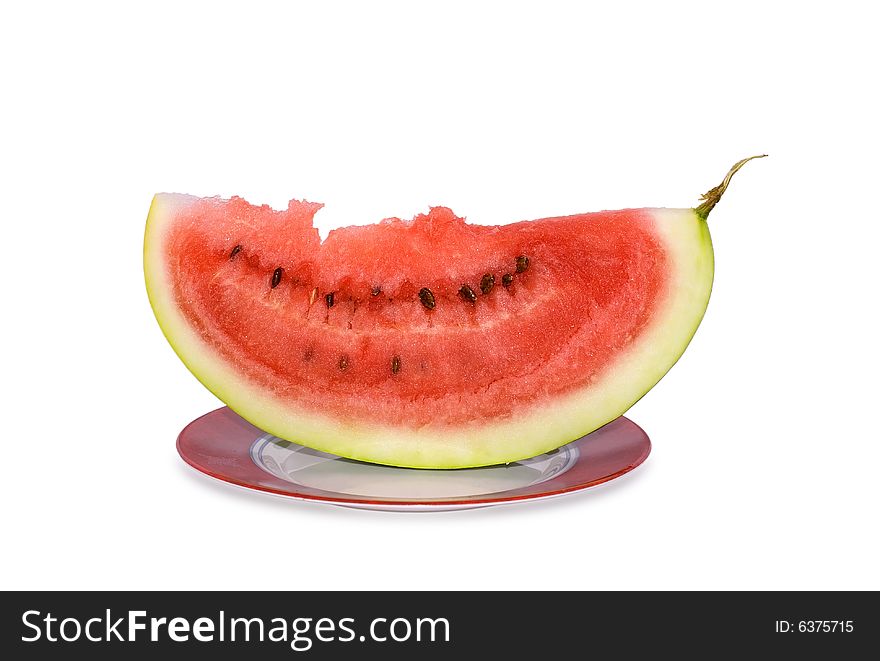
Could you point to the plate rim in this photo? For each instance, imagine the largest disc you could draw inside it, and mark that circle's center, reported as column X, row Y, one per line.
column 345, row 500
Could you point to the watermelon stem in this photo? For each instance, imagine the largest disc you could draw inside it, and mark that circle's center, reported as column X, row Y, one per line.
column 711, row 198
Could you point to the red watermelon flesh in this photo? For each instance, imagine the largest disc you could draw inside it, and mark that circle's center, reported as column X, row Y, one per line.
column 531, row 334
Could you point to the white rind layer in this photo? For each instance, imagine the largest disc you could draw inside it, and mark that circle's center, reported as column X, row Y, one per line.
column 534, row 431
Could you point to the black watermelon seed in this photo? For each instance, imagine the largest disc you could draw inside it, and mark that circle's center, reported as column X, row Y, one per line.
column 522, row 264
column 276, row 276
column 329, row 299
column 376, row 290
column 343, row 363
column 467, row 294
column 426, row 296
column 235, row 251
column 487, row 282
column 395, row 364
column 506, row 280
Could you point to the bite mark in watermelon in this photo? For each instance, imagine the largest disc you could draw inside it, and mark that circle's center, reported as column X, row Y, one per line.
column 431, row 342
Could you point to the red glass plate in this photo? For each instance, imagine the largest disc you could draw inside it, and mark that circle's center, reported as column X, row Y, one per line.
column 224, row 446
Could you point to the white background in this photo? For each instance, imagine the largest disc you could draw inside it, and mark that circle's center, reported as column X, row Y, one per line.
column 766, row 454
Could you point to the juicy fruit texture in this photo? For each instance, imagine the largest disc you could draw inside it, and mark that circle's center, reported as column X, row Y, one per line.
column 431, row 342
column 302, row 319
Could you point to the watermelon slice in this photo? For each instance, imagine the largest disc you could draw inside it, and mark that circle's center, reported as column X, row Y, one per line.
column 430, row 342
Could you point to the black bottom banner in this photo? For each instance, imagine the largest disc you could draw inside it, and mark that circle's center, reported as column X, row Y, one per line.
column 333, row 625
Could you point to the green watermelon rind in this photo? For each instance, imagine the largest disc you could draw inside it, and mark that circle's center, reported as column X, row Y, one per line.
column 541, row 428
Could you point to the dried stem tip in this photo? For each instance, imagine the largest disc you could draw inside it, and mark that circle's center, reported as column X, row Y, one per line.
column 710, row 199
